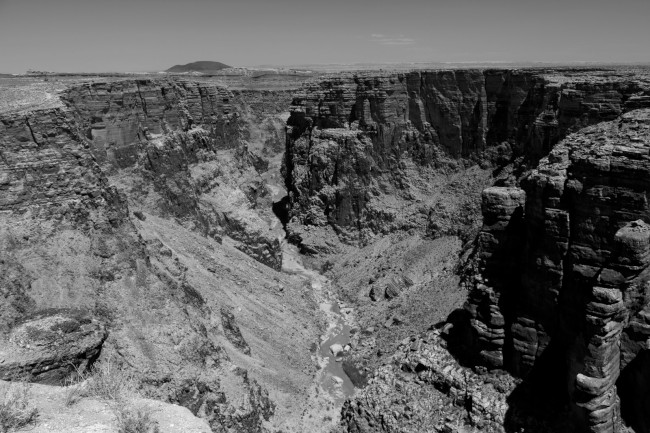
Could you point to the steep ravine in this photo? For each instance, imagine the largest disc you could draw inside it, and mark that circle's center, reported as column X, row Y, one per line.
column 553, row 334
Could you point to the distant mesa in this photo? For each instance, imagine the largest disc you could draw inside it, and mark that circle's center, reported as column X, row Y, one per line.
column 202, row 67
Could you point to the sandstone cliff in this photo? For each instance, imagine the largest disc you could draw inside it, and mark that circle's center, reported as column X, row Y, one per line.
column 354, row 140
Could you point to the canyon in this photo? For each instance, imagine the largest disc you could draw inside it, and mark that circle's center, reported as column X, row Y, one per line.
column 476, row 240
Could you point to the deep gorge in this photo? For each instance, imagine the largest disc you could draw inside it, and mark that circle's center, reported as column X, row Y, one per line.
column 145, row 210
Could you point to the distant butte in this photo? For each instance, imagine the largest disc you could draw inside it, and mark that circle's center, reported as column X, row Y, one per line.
column 202, row 66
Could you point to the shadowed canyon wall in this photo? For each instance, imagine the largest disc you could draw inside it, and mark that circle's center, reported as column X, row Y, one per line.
column 564, row 271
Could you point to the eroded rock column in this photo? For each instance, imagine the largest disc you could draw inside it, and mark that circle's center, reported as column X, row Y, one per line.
column 547, row 238
column 499, row 242
column 606, row 314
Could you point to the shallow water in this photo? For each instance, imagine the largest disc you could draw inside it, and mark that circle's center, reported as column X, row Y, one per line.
column 338, row 333
column 330, row 377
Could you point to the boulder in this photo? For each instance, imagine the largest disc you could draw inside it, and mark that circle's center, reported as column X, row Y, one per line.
column 336, row 348
column 50, row 345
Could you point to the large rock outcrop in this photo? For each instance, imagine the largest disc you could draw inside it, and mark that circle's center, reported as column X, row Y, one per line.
column 423, row 388
column 502, row 212
column 354, row 140
column 50, row 346
column 563, row 273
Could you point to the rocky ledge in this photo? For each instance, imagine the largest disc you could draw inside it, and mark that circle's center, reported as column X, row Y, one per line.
column 423, row 388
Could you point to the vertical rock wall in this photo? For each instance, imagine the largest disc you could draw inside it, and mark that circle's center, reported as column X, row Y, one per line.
column 353, row 136
column 581, row 279
column 501, row 234
column 119, row 117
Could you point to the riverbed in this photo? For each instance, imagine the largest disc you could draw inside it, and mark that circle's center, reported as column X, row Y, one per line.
column 331, row 384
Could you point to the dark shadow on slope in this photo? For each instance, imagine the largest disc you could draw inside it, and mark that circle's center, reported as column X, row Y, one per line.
column 634, row 391
column 281, row 210
column 357, row 376
column 540, row 402
column 461, row 337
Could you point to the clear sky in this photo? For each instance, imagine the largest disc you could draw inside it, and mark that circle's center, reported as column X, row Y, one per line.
column 151, row 35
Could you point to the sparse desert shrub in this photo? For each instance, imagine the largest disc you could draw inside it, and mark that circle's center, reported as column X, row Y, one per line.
column 16, row 410
column 9, row 242
column 74, row 392
column 108, row 382
column 104, row 381
column 326, row 266
column 133, row 418
column 118, row 388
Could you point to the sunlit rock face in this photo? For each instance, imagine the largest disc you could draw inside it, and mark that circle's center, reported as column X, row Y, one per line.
column 169, row 134
column 119, row 116
column 121, row 217
column 352, row 139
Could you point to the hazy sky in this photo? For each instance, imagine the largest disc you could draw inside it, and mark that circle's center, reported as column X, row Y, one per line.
column 138, row 35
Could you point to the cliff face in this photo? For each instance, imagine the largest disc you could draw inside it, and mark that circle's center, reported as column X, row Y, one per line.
column 554, row 333
column 48, row 175
column 68, row 243
column 563, row 260
column 187, row 141
column 351, row 140
column 112, row 217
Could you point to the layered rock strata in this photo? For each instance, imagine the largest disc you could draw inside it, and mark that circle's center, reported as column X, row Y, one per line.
column 147, row 289
column 168, row 134
column 68, row 243
column 49, row 347
column 503, row 213
column 352, row 139
column 576, row 296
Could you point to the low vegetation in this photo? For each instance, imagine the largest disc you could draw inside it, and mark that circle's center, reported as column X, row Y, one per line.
column 134, row 419
column 106, row 381
column 15, row 409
